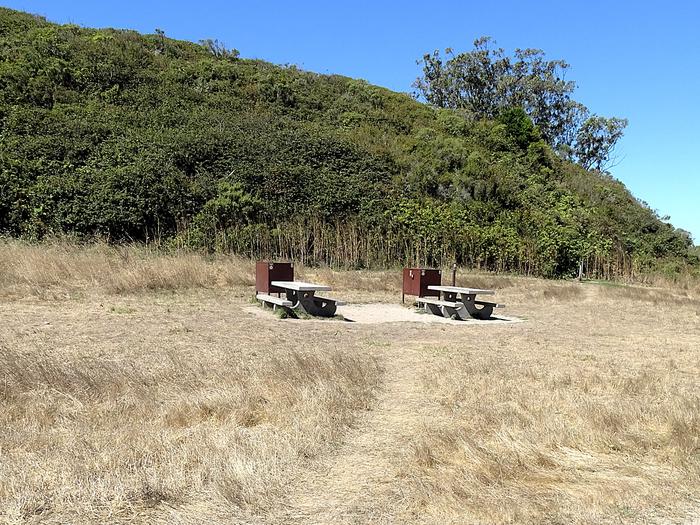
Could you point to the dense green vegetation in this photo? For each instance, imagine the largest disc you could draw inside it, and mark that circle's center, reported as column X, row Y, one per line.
column 140, row 137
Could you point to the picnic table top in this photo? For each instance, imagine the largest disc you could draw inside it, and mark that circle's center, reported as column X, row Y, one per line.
column 460, row 290
column 301, row 286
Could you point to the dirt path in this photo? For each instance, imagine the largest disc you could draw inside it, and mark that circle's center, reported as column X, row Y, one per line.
column 352, row 485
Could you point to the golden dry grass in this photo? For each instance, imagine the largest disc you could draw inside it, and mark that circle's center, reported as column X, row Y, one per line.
column 589, row 415
column 63, row 270
column 123, row 404
column 564, row 443
column 124, row 428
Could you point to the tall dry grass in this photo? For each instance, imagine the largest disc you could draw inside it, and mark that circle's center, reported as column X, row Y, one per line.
column 572, row 436
column 62, row 269
column 111, row 439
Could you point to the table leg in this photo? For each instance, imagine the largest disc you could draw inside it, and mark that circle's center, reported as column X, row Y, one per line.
column 439, row 309
column 434, row 309
column 446, row 311
column 476, row 312
column 307, row 302
column 449, row 311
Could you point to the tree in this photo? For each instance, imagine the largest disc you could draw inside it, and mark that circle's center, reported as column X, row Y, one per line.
column 160, row 44
column 471, row 81
column 539, row 87
column 519, row 126
column 485, row 81
column 219, row 49
column 596, row 140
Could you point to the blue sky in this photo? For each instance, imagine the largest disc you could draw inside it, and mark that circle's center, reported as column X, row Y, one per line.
column 630, row 59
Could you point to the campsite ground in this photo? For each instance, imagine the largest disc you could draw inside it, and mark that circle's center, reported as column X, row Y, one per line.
column 139, row 388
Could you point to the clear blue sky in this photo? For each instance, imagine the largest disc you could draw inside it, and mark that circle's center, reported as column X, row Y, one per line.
column 631, row 59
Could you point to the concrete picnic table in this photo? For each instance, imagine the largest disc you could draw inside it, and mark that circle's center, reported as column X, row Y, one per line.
column 302, row 296
column 459, row 302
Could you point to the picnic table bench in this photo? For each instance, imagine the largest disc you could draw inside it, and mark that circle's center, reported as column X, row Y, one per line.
column 302, row 296
column 459, row 302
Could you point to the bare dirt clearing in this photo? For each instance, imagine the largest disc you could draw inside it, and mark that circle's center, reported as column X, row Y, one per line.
column 379, row 313
column 184, row 406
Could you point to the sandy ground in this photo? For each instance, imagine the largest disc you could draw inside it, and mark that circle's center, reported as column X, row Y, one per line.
column 380, row 313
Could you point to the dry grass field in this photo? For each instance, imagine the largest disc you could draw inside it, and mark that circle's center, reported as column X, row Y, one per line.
column 137, row 387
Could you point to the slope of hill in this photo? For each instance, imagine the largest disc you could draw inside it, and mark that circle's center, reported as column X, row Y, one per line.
column 141, row 137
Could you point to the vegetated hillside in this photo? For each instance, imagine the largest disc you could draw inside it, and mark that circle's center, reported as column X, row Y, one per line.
column 140, row 137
